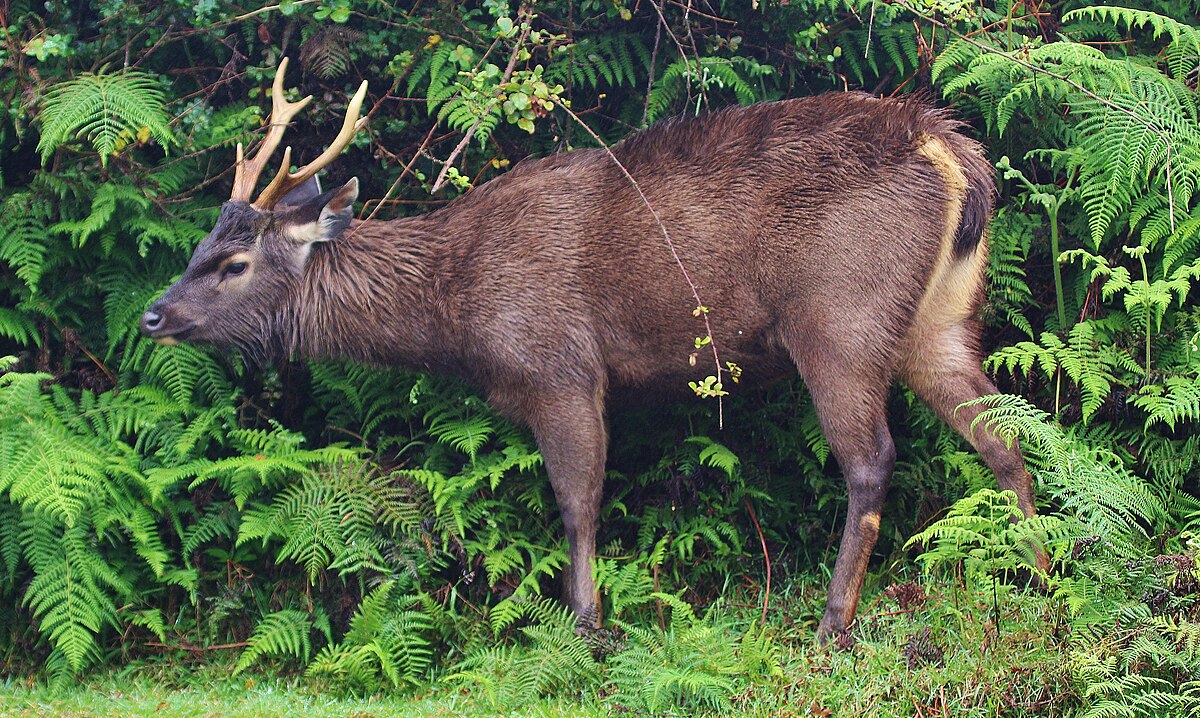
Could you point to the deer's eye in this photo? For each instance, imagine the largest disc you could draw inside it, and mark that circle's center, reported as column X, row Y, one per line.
column 235, row 268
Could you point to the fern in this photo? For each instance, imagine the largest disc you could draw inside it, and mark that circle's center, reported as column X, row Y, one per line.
column 1009, row 242
column 448, row 73
column 387, row 640
column 464, row 427
column 327, row 51
column 364, row 399
column 71, row 594
column 1185, row 39
column 283, row 633
column 186, row 372
column 45, row 466
column 18, row 327
column 715, row 455
column 1091, row 483
column 328, row 519
column 691, row 664
column 24, row 220
column 556, row 659
column 683, row 77
column 1175, row 401
column 1087, row 362
column 108, row 197
column 1150, row 673
column 1150, row 130
column 108, row 110
column 77, row 485
column 628, row 584
column 608, row 60
column 216, row 522
column 982, row 533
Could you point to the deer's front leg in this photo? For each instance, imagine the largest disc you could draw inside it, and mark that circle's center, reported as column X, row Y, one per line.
column 571, row 434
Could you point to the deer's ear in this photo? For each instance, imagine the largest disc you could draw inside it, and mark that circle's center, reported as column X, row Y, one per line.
column 304, row 193
column 323, row 217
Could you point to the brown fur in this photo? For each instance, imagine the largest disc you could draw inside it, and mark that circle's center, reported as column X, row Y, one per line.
column 838, row 235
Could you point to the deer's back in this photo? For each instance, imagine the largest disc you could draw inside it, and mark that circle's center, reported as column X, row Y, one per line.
column 817, row 214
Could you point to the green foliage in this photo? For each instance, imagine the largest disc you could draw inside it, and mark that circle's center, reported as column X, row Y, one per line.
column 390, row 532
column 702, row 76
column 1175, row 401
column 110, row 111
column 1091, row 484
column 73, row 482
column 1123, row 683
column 388, row 640
column 281, row 633
column 689, row 665
column 328, row 519
column 983, row 534
column 1086, row 361
column 554, row 658
column 613, row 59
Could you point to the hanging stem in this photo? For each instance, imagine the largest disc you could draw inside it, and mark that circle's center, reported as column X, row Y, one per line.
column 1149, row 309
column 1052, row 210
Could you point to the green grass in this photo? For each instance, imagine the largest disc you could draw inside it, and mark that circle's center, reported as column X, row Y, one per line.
column 209, row 693
column 938, row 655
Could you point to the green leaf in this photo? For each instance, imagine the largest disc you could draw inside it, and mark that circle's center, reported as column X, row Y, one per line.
column 107, row 110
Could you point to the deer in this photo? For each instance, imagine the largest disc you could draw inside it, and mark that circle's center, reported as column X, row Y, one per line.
column 841, row 236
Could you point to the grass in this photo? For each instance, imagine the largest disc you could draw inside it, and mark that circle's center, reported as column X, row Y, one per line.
column 920, row 651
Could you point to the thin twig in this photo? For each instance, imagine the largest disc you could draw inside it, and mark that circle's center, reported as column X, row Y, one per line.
column 143, row 55
column 701, row 310
column 267, row 8
column 687, row 23
column 687, row 66
column 714, row 18
column 870, row 27
column 508, row 72
column 407, row 168
column 766, row 558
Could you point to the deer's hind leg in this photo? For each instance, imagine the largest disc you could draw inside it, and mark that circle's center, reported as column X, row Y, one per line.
column 943, row 368
column 849, row 388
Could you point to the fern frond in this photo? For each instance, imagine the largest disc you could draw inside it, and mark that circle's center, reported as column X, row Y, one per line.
column 108, row 110
column 387, row 638
column 1176, row 400
column 17, row 326
column 1185, row 39
column 71, row 594
column 283, row 633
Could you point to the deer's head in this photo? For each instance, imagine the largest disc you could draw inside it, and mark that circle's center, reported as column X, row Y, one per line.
column 242, row 272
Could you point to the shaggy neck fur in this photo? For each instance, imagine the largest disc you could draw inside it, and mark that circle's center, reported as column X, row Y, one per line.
column 370, row 295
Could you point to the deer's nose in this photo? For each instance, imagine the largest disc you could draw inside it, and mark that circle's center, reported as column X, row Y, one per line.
column 151, row 321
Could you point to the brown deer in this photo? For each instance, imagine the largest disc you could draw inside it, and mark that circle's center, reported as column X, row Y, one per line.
column 842, row 236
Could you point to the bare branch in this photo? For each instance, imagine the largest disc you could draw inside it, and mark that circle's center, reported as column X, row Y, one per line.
column 508, row 73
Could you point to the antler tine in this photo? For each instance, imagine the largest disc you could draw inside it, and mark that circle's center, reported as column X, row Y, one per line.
column 285, row 181
column 247, row 172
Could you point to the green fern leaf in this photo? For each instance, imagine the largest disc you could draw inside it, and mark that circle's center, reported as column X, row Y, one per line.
column 283, row 633
column 108, row 110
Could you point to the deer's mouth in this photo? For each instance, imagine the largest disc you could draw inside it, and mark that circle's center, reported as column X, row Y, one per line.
column 170, row 340
column 158, row 327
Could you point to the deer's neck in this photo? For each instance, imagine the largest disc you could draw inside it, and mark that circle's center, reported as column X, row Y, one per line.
column 373, row 295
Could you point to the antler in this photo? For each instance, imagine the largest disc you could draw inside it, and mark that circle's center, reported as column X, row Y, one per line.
column 248, row 172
